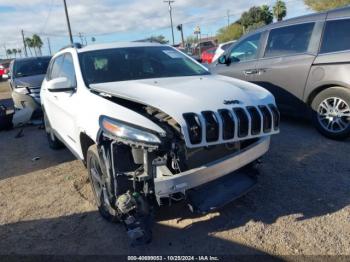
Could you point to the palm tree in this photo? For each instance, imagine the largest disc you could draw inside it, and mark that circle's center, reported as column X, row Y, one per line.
column 19, row 51
column 29, row 43
column 14, row 51
column 279, row 10
column 9, row 52
column 37, row 43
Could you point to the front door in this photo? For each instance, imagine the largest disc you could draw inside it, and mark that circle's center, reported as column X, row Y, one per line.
column 62, row 105
column 243, row 57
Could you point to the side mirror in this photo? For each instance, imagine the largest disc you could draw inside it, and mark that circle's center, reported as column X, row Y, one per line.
column 224, row 60
column 60, row 84
column 234, row 59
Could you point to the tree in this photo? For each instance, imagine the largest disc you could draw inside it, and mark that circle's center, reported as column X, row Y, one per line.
column 233, row 32
column 256, row 16
column 159, row 39
column 280, row 10
column 266, row 14
column 323, row 5
column 255, row 26
column 9, row 52
column 14, row 51
column 37, row 43
column 29, row 43
column 19, row 51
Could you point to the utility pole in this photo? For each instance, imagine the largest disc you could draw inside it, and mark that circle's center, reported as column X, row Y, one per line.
column 171, row 17
column 24, row 43
column 68, row 23
column 5, row 50
column 180, row 28
column 49, row 45
column 228, row 18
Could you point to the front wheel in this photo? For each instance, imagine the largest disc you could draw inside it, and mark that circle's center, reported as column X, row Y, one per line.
column 331, row 112
column 98, row 185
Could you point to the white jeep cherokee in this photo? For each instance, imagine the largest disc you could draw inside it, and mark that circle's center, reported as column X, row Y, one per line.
column 154, row 126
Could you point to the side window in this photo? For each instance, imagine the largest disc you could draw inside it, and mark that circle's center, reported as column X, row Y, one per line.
column 247, row 50
column 55, row 68
column 67, row 70
column 289, row 40
column 226, row 46
column 336, row 37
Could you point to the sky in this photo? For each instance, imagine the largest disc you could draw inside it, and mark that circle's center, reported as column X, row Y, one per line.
column 118, row 20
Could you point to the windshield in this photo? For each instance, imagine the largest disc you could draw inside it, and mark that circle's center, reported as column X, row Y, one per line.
column 29, row 67
column 122, row 64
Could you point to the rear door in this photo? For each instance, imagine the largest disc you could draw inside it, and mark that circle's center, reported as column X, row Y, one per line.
column 243, row 56
column 285, row 64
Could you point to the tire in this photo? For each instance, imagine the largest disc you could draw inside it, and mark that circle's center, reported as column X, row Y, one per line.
column 94, row 164
column 54, row 142
column 331, row 113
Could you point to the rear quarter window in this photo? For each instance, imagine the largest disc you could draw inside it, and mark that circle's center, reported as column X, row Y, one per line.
column 336, row 36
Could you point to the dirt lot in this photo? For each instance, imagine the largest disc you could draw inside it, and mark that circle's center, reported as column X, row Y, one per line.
column 301, row 205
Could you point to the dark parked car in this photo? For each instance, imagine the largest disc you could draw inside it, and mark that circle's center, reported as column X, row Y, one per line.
column 304, row 62
column 26, row 76
column 4, row 67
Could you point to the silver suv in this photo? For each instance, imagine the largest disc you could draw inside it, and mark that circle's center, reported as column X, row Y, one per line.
column 304, row 62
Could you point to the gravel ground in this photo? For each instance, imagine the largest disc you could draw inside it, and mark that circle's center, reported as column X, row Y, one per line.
column 301, row 205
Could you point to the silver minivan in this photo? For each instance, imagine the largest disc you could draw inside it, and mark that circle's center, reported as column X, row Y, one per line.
column 304, row 62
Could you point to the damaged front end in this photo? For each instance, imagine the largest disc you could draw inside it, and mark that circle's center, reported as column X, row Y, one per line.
column 143, row 168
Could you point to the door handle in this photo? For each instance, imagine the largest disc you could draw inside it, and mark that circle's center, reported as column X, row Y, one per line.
column 261, row 71
column 250, row 72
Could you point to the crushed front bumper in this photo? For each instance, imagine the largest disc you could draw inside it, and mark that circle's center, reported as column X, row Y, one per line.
column 166, row 183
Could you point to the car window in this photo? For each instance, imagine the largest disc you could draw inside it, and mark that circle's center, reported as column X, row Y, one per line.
column 131, row 63
column 30, row 66
column 247, row 49
column 56, row 67
column 67, row 70
column 335, row 37
column 289, row 40
column 226, row 46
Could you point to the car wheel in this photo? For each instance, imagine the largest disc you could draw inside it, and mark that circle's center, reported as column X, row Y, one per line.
column 331, row 112
column 98, row 185
column 54, row 142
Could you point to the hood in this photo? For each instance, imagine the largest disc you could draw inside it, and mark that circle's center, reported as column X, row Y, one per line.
column 30, row 81
column 178, row 95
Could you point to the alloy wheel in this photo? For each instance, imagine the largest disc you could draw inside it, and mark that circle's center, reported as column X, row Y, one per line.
column 334, row 114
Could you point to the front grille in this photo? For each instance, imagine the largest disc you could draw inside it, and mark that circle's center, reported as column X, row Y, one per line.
column 227, row 125
column 211, row 126
column 194, row 127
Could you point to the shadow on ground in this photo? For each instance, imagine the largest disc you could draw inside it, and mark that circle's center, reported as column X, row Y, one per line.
column 98, row 237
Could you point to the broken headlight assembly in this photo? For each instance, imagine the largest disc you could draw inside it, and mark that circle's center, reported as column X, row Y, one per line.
column 21, row 89
column 127, row 131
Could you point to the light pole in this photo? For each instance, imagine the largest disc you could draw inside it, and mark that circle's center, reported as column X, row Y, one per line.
column 68, row 23
column 171, row 17
column 228, row 18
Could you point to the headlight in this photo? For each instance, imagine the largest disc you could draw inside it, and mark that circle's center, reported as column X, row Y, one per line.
column 22, row 90
column 128, row 131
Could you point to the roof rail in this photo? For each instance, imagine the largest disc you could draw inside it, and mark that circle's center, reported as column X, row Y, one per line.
column 74, row 45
